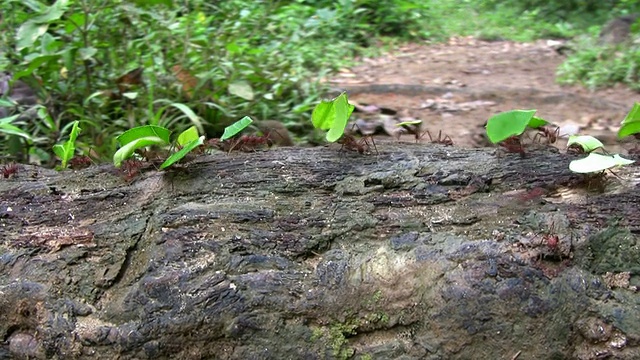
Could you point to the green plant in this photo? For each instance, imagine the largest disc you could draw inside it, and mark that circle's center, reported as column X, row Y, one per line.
column 67, row 150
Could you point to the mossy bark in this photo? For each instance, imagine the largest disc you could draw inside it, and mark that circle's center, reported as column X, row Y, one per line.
column 420, row 252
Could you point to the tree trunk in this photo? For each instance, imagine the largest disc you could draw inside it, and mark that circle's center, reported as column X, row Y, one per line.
column 419, row 252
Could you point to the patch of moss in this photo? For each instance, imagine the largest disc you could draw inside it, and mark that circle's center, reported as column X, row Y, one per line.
column 614, row 249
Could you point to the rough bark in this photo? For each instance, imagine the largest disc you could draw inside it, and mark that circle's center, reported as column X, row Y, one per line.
column 420, row 252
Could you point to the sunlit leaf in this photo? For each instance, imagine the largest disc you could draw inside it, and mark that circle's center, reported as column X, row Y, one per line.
column 131, row 95
column 9, row 129
column 87, row 53
column 631, row 122
column 28, row 33
column 242, row 89
column 53, row 12
column 588, row 143
column 188, row 136
column 597, row 162
column 177, row 156
column 507, row 124
column 231, row 130
column 142, row 132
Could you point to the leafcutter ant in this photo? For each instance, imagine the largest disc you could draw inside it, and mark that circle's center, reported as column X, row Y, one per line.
column 80, row 162
column 9, row 170
column 131, row 168
column 513, row 145
column 362, row 146
column 545, row 132
column 446, row 140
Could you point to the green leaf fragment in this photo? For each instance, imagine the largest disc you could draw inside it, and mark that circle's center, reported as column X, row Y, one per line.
column 412, row 122
column 188, row 136
column 342, row 112
column 177, row 156
column 231, row 130
column 144, row 132
column 588, row 143
column 631, row 122
column 129, row 148
column 507, row 124
column 597, row 162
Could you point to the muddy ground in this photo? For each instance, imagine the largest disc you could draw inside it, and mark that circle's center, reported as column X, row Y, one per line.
column 456, row 86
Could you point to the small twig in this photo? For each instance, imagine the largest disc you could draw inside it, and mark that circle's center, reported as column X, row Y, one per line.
column 516, row 355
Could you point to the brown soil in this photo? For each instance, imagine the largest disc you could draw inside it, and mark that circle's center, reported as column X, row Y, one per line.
column 455, row 87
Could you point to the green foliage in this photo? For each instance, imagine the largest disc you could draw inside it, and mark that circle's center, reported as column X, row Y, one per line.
column 118, row 65
column 332, row 115
column 596, row 66
column 631, row 123
column 511, row 123
column 67, row 150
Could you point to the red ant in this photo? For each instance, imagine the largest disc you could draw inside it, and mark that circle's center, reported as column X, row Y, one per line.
column 513, row 145
column 248, row 143
column 446, row 140
column 9, row 170
column 131, row 168
column 545, row 132
column 80, row 162
column 349, row 142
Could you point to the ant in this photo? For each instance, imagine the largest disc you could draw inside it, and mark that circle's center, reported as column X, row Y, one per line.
column 9, row 170
column 248, row 143
column 349, row 142
column 80, row 162
column 446, row 140
column 550, row 135
column 513, row 145
column 131, row 168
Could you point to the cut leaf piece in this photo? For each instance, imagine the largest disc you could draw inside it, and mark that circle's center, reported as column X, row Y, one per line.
column 142, row 132
column 127, row 150
column 231, row 130
column 631, row 122
column 342, row 112
column 324, row 114
column 177, row 156
column 587, row 142
column 412, row 122
column 537, row 122
column 188, row 136
column 507, row 124
column 597, row 162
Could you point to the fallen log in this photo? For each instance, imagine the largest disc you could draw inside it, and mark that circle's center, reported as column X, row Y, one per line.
column 420, row 252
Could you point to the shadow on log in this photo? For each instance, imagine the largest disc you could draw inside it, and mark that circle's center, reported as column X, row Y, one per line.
column 421, row 252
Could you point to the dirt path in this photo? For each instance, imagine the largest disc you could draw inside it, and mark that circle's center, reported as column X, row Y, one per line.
column 455, row 87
